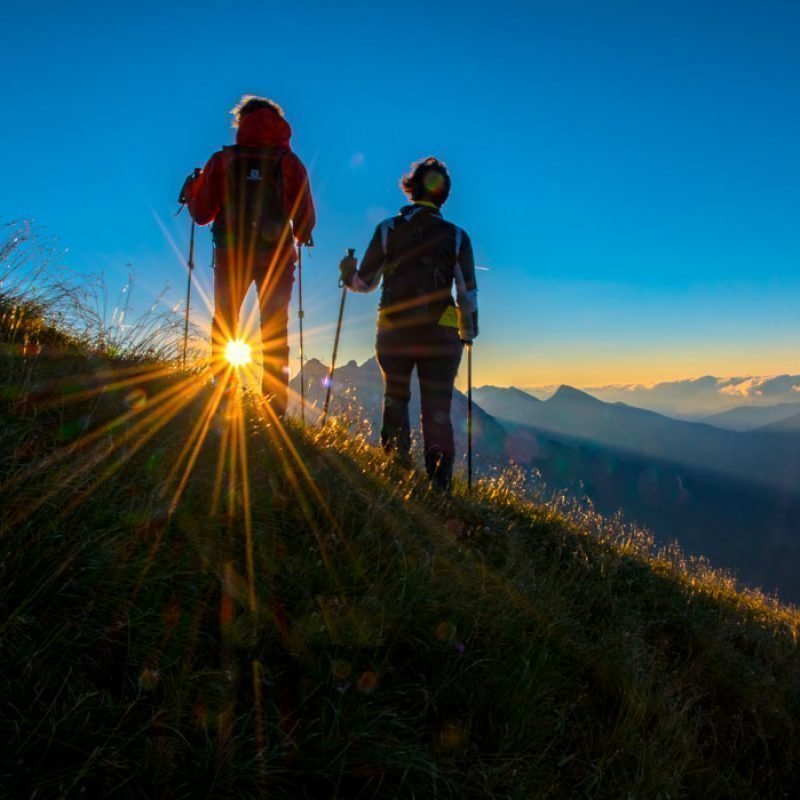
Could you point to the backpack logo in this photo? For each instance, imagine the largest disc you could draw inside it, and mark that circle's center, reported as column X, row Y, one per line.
column 255, row 175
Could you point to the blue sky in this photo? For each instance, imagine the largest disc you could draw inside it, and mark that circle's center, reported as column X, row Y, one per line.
column 627, row 170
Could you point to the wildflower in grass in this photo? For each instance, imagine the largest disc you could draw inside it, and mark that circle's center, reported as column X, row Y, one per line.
column 451, row 737
column 172, row 613
column 148, row 679
column 445, row 631
column 341, row 669
column 367, row 682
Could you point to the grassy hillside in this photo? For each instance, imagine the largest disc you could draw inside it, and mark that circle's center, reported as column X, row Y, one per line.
column 198, row 603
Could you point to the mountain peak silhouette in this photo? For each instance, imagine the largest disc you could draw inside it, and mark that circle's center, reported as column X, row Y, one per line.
column 511, row 392
column 569, row 394
column 315, row 367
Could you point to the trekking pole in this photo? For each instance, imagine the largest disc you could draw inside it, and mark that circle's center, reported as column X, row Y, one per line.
column 469, row 417
column 351, row 253
column 190, row 265
column 300, row 321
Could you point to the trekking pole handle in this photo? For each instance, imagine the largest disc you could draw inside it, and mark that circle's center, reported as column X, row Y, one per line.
column 351, row 253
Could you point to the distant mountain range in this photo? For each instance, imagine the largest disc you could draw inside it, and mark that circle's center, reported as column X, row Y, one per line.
column 749, row 418
column 729, row 495
column 750, row 457
column 696, row 397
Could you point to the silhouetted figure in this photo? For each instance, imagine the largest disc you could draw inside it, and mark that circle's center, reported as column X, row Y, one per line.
column 256, row 194
column 419, row 257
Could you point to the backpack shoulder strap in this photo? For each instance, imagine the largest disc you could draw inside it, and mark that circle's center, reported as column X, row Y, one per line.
column 386, row 226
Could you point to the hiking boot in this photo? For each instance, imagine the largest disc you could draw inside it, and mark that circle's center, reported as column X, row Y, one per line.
column 439, row 467
column 402, row 459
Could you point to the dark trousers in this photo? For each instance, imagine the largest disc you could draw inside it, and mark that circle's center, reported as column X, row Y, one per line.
column 436, row 353
column 274, row 277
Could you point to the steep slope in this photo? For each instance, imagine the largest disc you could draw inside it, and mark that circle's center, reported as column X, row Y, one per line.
column 752, row 530
column 200, row 603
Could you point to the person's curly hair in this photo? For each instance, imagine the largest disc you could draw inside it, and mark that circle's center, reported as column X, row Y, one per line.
column 250, row 103
column 427, row 180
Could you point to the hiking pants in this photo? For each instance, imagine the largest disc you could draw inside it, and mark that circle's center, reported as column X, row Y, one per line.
column 436, row 353
column 232, row 280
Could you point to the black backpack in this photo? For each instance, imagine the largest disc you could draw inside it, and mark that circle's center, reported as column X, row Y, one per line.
column 420, row 264
column 253, row 215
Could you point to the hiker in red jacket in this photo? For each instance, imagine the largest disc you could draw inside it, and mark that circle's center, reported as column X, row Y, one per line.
column 256, row 194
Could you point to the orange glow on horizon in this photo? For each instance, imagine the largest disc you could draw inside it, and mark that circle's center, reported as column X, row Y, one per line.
column 601, row 366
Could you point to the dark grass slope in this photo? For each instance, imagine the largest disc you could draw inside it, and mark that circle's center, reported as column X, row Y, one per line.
column 307, row 621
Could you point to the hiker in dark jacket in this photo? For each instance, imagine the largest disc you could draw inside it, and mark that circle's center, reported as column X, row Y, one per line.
column 419, row 257
column 256, row 194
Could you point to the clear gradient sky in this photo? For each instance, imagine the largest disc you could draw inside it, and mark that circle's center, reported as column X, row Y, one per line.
column 628, row 170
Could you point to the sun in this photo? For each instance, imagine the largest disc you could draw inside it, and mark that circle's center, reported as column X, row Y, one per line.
column 237, row 353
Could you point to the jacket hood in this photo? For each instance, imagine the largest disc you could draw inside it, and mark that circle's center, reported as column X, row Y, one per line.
column 264, row 128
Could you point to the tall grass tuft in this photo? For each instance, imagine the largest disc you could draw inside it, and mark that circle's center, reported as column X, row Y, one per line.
column 44, row 305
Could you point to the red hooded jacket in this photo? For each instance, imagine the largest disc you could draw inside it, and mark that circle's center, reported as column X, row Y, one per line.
column 261, row 128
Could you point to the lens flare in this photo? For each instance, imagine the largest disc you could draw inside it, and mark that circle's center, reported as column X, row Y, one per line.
column 237, row 353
